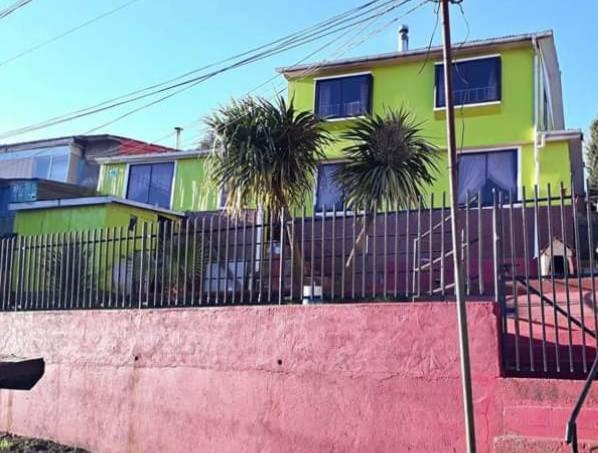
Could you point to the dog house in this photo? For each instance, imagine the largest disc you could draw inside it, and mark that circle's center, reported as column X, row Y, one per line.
column 557, row 258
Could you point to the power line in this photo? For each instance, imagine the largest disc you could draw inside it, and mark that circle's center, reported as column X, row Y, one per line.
column 12, row 8
column 277, row 90
column 204, row 78
column 66, row 33
column 339, row 51
column 316, row 32
column 349, row 45
column 288, row 39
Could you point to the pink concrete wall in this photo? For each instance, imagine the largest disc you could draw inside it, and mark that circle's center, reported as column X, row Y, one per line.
column 329, row 378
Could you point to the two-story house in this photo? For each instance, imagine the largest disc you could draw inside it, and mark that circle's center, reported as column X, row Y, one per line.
column 510, row 122
column 509, row 110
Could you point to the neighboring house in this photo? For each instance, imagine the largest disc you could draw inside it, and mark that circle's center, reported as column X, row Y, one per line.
column 84, row 213
column 177, row 181
column 31, row 190
column 68, row 159
column 509, row 111
column 509, row 117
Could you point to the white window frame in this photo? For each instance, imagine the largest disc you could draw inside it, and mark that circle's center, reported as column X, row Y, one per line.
column 342, row 76
column 477, row 104
column 517, row 148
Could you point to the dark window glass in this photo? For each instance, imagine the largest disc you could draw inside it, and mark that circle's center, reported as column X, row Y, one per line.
column 486, row 172
column 151, row 183
column 344, row 96
column 328, row 193
column 474, row 82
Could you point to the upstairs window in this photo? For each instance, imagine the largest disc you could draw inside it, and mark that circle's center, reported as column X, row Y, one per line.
column 151, row 183
column 474, row 82
column 485, row 172
column 344, row 97
column 328, row 193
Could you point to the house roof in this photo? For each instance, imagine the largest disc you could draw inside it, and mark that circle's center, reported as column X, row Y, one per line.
column 126, row 146
column 432, row 52
column 151, row 157
column 87, row 201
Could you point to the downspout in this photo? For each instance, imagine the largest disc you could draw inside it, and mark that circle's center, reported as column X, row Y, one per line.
column 536, row 112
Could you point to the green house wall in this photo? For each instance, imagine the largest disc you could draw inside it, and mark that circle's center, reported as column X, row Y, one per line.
column 80, row 218
column 192, row 189
column 409, row 84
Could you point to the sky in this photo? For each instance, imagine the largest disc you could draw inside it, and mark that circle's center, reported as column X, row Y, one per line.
column 148, row 41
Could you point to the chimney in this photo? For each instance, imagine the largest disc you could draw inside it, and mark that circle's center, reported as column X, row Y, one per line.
column 177, row 132
column 404, row 38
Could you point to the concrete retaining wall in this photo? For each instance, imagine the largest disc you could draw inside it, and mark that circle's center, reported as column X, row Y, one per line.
column 328, row 378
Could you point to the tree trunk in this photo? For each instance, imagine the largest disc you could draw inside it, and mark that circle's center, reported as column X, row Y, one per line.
column 359, row 242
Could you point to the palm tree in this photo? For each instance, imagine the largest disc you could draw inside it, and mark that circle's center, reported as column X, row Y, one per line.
column 388, row 162
column 266, row 154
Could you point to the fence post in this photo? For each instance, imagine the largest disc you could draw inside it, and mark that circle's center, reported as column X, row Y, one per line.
column 499, row 294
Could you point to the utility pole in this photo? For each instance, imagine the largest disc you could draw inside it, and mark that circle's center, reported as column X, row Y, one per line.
column 456, row 227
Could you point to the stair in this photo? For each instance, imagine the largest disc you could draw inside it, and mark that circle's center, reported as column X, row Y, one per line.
column 535, row 414
column 524, row 444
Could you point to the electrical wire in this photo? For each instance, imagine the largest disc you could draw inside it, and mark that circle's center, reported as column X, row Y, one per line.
column 12, row 8
column 286, row 43
column 344, row 48
column 314, row 67
column 65, row 33
column 203, row 79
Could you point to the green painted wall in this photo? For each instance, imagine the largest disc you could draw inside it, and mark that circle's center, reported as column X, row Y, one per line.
column 409, row 84
column 404, row 85
column 112, row 179
column 554, row 165
column 64, row 219
column 58, row 220
column 193, row 190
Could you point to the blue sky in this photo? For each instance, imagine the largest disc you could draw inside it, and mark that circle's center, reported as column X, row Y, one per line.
column 150, row 41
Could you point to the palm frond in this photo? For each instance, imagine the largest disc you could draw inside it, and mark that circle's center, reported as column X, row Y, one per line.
column 267, row 153
column 388, row 161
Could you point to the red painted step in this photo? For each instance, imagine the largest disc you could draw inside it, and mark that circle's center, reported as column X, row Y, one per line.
column 523, row 444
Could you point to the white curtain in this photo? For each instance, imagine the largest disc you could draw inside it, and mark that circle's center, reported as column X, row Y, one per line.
column 472, row 175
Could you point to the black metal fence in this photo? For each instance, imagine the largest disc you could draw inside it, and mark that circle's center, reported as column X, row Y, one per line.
column 545, row 269
column 534, row 254
column 214, row 259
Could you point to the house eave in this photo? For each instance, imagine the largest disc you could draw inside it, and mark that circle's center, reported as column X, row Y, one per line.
column 460, row 50
column 87, row 201
column 151, row 157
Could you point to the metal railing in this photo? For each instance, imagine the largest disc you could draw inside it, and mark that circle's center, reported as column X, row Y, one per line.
column 571, row 432
column 214, row 259
column 533, row 254
column 548, row 292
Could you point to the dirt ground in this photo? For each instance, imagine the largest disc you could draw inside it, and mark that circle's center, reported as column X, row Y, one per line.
column 11, row 443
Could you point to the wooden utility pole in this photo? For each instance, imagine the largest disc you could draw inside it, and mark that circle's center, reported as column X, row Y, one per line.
column 456, row 227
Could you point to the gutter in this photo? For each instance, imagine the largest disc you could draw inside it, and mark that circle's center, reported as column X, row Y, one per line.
column 152, row 157
column 87, row 201
column 536, row 110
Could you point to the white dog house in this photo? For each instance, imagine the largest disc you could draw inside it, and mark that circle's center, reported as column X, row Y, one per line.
column 561, row 254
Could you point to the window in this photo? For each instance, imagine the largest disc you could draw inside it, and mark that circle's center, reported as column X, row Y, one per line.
column 344, row 97
column 151, row 183
column 474, row 82
column 328, row 193
column 487, row 171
